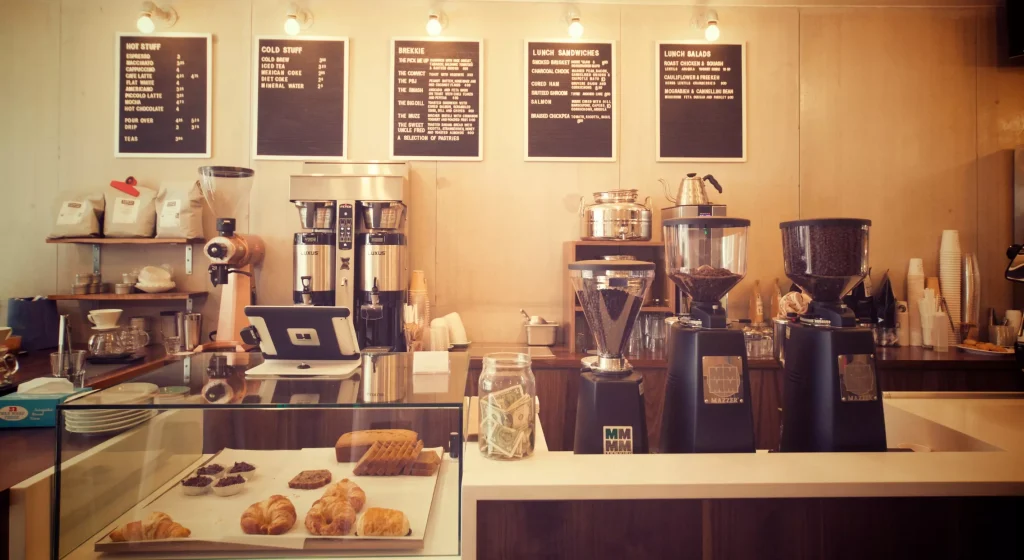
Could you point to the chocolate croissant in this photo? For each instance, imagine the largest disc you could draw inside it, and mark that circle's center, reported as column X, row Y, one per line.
column 156, row 526
column 273, row 516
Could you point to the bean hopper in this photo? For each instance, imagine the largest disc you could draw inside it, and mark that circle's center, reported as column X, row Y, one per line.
column 707, row 395
column 831, row 399
column 610, row 413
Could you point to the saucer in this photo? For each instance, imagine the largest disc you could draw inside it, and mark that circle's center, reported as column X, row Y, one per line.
column 104, row 329
column 461, row 344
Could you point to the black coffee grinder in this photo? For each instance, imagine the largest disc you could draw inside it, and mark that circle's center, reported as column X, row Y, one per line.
column 831, row 398
column 707, row 395
column 610, row 412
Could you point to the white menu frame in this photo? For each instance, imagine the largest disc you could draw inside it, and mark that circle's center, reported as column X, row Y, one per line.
column 480, row 106
column 117, row 95
column 256, row 97
column 657, row 101
column 615, row 98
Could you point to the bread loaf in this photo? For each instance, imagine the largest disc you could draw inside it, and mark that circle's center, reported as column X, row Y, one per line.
column 351, row 446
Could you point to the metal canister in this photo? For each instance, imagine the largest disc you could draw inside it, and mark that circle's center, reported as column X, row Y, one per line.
column 384, row 377
column 615, row 216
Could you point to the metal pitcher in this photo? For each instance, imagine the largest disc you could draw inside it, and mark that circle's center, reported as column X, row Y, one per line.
column 691, row 190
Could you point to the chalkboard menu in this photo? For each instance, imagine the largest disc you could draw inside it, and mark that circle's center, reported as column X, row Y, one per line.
column 163, row 95
column 435, row 99
column 570, row 100
column 701, row 102
column 301, row 98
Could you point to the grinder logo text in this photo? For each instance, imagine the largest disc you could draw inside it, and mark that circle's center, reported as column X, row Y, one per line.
column 618, row 440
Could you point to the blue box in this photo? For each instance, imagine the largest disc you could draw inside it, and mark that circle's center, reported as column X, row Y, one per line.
column 31, row 411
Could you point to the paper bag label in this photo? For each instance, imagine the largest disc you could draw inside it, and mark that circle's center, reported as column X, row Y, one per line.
column 126, row 210
column 170, row 214
column 71, row 213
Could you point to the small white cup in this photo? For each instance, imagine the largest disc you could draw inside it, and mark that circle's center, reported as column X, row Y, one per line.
column 456, row 329
column 104, row 318
column 1013, row 317
column 439, row 338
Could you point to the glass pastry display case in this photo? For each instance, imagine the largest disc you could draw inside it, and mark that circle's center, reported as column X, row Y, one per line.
column 197, row 459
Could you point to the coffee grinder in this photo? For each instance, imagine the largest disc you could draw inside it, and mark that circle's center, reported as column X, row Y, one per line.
column 831, row 398
column 353, row 250
column 707, row 394
column 610, row 412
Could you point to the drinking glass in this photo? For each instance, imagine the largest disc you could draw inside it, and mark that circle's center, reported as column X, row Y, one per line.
column 172, row 344
column 74, row 367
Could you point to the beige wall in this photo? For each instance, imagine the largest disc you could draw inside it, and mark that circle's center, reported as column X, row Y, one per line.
column 898, row 115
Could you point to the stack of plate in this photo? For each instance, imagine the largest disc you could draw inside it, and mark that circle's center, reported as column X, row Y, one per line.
column 100, row 421
column 171, row 395
column 950, row 279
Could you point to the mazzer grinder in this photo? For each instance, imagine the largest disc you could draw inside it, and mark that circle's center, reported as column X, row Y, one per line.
column 831, row 398
column 707, row 396
column 610, row 413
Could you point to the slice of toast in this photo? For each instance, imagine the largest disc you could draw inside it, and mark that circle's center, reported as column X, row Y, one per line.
column 410, row 459
column 366, row 461
column 426, row 464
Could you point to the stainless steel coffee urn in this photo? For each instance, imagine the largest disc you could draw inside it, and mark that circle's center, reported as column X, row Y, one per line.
column 313, row 254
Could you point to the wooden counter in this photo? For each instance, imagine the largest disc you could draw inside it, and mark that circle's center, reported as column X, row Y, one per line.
column 899, row 369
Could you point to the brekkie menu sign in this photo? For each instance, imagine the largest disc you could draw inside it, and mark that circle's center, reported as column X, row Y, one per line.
column 163, row 95
column 300, row 87
column 701, row 102
column 570, row 100
column 436, row 101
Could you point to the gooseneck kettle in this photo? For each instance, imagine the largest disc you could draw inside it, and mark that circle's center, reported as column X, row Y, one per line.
column 691, row 190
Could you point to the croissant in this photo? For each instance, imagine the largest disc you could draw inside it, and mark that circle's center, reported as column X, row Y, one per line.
column 157, row 525
column 348, row 490
column 273, row 516
column 330, row 516
column 381, row 522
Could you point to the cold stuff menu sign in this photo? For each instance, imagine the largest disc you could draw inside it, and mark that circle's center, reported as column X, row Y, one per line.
column 300, row 91
column 570, row 99
column 435, row 100
column 700, row 103
column 163, row 89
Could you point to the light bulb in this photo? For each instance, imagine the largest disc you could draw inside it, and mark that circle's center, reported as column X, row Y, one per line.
column 433, row 25
column 145, row 23
column 291, row 25
column 712, row 31
column 575, row 28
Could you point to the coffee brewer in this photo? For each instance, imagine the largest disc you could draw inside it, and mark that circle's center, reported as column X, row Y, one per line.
column 707, row 396
column 831, row 398
column 354, row 245
column 610, row 412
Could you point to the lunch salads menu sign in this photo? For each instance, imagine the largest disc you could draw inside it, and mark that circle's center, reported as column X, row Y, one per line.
column 301, row 98
column 163, row 95
column 701, row 102
column 436, row 101
column 570, row 100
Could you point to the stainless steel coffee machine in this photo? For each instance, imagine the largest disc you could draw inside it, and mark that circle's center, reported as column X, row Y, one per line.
column 354, row 245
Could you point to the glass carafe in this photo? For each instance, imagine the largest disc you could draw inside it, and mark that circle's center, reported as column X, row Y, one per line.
column 508, row 391
column 106, row 343
column 134, row 339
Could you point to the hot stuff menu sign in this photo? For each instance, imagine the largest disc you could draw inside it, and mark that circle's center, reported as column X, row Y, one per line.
column 301, row 98
column 570, row 100
column 700, row 102
column 163, row 95
column 436, row 99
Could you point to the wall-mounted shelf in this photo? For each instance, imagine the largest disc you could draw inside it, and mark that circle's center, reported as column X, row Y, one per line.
column 187, row 297
column 97, row 242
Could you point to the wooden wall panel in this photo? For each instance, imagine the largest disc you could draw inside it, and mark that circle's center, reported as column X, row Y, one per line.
column 887, row 119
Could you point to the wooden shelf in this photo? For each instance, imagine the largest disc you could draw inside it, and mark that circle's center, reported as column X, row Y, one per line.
column 618, row 243
column 127, row 240
column 163, row 296
column 644, row 309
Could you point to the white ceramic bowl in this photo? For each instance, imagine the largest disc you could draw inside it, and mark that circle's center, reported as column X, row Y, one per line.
column 225, row 491
column 196, row 490
column 154, row 275
column 248, row 475
column 155, row 288
column 214, row 476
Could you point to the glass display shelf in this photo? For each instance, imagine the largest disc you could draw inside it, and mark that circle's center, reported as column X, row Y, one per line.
column 145, row 437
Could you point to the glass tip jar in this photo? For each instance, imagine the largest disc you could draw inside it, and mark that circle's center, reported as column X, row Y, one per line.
column 507, row 391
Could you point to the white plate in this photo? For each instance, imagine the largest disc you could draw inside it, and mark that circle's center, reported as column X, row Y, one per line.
column 109, row 429
column 128, row 393
column 461, row 344
column 104, row 422
column 980, row 352
column 98, row 414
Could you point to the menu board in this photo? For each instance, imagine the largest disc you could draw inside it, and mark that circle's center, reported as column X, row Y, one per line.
column 701, row 102
column 570, row 100
column 163, row 95
column 436, row 101
column 300, row 108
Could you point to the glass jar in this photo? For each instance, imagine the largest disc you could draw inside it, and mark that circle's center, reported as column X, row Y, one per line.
column 508, row 391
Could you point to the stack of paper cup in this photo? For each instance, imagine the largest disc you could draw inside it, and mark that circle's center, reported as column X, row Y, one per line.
column 949, row 278
column 915, row 291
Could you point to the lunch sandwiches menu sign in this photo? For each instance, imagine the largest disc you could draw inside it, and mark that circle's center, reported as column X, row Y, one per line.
column 163, row 95
column 436, row 101
column 301, row 98
column 570, row 100
column 701, row 102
